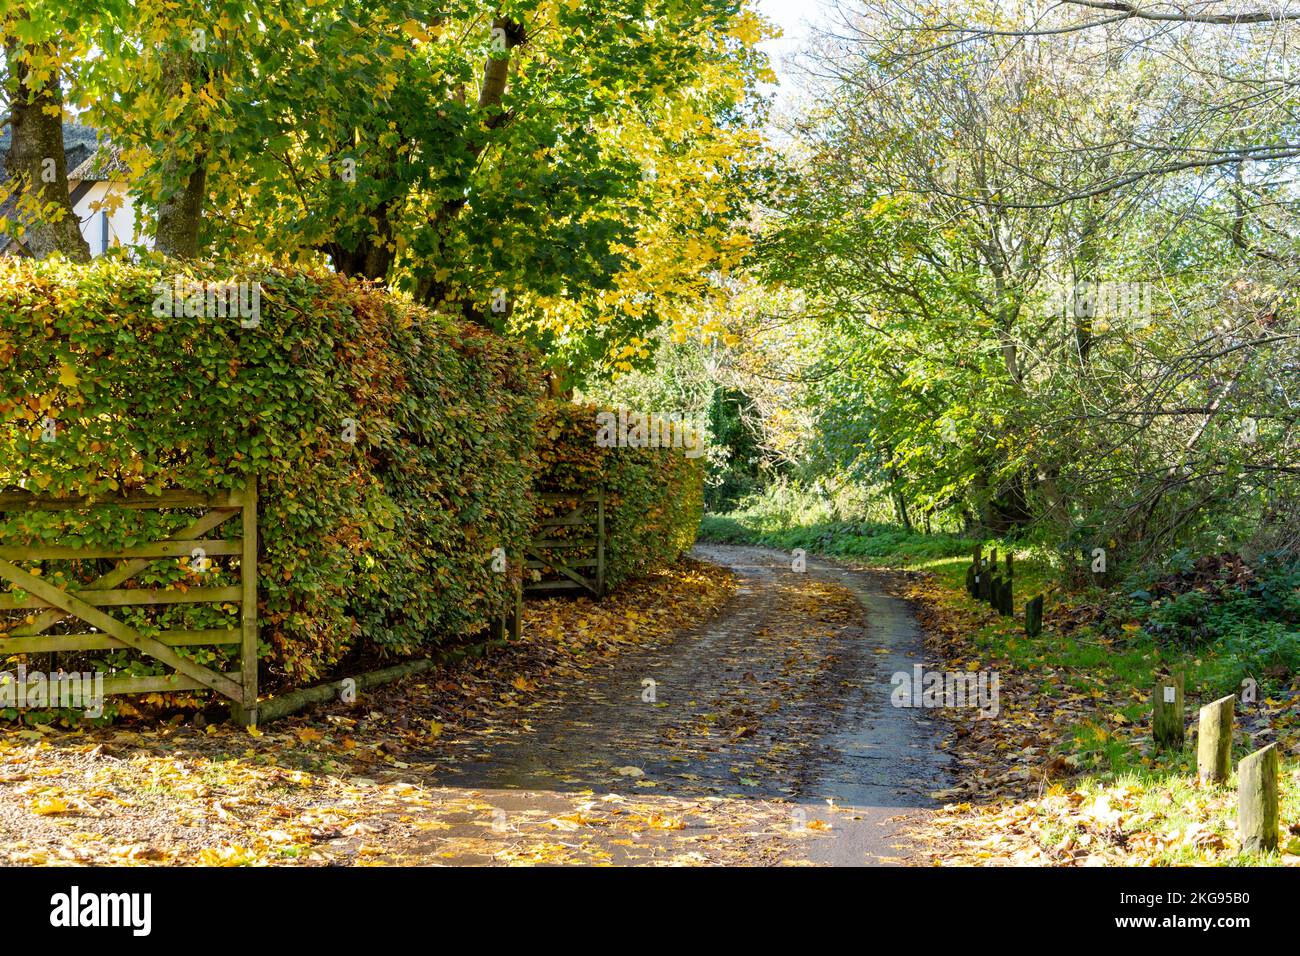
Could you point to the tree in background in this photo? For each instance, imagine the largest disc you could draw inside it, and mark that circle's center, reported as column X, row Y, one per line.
column 1054, row 269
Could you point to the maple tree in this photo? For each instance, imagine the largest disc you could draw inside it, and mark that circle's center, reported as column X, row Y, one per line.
column 576, row 172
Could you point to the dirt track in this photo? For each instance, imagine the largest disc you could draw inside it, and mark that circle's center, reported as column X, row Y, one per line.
column 770, row 738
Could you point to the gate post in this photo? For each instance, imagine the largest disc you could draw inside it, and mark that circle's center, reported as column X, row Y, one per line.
column 600, row 542
column 248, row 579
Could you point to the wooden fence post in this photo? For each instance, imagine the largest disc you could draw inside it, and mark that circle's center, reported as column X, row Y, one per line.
column 515, row 623
column 1034, row 617
column 1006, row 597
column 247, row 711
column 973, row 573
column 1214, row 741
column 600, row 543
column 1257, row 800
column 1167, row 713
column 993, row 580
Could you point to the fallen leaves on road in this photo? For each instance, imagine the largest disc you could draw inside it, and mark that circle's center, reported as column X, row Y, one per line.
column 332, row 786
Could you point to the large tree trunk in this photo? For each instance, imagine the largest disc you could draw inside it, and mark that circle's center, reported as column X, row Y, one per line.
column 180, row 210
column 371, row 258
column 37, row 163
column 181, row 213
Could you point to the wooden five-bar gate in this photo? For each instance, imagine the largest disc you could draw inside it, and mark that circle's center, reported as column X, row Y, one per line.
column 571, row 545
column 568, row 554
column 86, row 603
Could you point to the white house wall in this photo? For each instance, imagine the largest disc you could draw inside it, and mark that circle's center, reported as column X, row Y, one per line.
column 121, row 221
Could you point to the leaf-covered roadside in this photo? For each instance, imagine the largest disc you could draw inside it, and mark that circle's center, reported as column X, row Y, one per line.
column 1066, row 773
column 344, row 784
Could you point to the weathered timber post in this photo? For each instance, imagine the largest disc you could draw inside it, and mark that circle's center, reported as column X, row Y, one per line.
column 600, row 543
column 245, row 711
column 515, row 622
column 1034, row 617
column 973, row 578
column 1257, row 800
column 995, row 581
column 1214, row 741
column 1009, row 603
column 1006, row 598
column 986, row 583
column 1167, row 713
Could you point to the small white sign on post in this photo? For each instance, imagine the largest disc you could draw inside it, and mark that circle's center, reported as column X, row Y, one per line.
column 1170, row 695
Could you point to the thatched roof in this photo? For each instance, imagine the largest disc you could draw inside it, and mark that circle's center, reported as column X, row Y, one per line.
column 105, row 163
column 79, row 143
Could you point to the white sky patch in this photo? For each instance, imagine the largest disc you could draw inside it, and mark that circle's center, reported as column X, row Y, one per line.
column 794, row 18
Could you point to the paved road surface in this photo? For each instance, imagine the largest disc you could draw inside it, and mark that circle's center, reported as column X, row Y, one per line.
column 759, row 718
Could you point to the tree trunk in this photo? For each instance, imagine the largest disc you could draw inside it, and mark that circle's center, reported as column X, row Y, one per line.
column 371, row 258
column 37, row 163
column 507, row 35
column 900, row 503
column 180, row 210
column 1086, row 292
column 181, row 214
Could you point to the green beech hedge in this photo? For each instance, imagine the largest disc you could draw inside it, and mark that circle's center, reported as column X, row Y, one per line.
column 655, row 496
column 388, row 536
column 394, row 450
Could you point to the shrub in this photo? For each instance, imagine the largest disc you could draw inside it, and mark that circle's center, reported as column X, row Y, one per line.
column 389, row 536
column 1240, row 619
column 654, row 496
